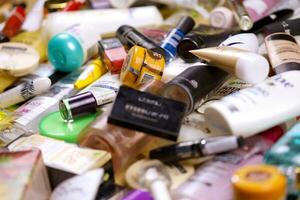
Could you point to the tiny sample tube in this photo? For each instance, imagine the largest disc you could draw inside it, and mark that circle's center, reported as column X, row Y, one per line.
column 24, row 91
column 130, row 36
column 244, row 21
column 94, row 70
column 170, row 43
column 196, row 148
column 101, row 92
column 283, row 52
column 14, row 22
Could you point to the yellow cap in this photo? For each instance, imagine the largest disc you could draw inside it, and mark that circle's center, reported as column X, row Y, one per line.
column 259, row 182
column 94, row 70
column 140, row 66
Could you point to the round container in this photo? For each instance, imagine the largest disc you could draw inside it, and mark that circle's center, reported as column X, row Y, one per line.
column 18, row 59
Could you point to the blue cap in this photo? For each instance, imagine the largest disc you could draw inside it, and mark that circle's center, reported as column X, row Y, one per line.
column 65, row 52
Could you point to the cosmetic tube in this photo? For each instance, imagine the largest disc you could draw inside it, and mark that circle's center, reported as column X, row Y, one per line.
column 24, row 91
column 247, row 112
column 257, row 9
column 37, row 108
column 211, row 181
column 60, row 21
column 70, row 49
column 101, row 92
column 269, row 20
column 241, row 16
column 196, row 148
column 198, row 40
column 245, row 65
column 14, row 22
column 92, row 71
column 283, row 52
column 193, row 84
column 35, row 17
column 130, row 36
column 171, row 41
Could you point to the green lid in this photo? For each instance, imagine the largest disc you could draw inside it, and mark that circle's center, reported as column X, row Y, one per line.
column 65, row 52
column 53, row 126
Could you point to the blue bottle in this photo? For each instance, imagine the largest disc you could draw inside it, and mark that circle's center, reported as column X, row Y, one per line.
column 173, row 38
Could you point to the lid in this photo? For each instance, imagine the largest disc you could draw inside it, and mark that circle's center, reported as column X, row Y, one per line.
column 53, row 126
column 189, row 42
column 259, row 182
column 18, row 59
column 65, row 52
column 186, row 24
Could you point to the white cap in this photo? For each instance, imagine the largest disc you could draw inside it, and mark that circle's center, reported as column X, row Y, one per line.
column 252, row 68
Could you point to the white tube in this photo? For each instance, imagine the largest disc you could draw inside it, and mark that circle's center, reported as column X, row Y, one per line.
column 103, row 21
column 255, row 109
column 34, row 19
column 244, row 41
column 24, row 91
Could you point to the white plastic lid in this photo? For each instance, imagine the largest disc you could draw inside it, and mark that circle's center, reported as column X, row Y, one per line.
column 18, row 59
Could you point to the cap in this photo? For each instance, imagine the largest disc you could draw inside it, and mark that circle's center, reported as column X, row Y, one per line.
column 65, row 52
column 186, row 24
column 259, row 182
column 122, row 30
column 189, row 42
column 84, row 103
column 54, row 126
column 3, row 38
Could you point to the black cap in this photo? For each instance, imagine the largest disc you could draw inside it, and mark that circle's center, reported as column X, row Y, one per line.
column 190, row 42
column 186, row 24
column 124, row 29
column 3, row 38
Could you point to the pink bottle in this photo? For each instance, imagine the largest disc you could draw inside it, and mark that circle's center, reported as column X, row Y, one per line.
column 212, row 181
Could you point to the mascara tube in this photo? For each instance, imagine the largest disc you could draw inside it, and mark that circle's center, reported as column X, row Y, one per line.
column 196, row 148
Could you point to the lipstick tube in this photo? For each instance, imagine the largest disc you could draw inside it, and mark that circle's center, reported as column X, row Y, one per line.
column 14, row 22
